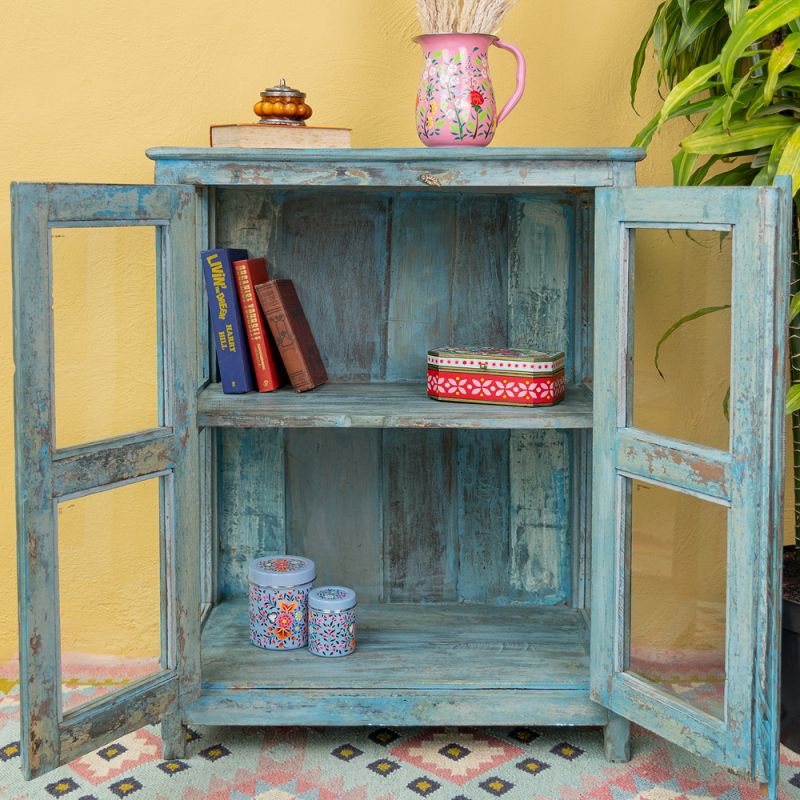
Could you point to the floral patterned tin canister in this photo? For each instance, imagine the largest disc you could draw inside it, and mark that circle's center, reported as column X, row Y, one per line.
column 279, row 587
column 332, row 621
column 504, row 375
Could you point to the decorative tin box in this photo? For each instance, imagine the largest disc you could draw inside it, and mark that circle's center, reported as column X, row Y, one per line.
column 503, row 375
column 279, row 587
column 332, row 621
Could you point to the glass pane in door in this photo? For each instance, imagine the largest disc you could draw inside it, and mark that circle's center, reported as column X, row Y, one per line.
column 677, row 274
column 109, row 564
column 678, row 594
column 105, row 331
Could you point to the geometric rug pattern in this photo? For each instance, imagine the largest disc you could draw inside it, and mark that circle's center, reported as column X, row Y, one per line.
column 377, row 764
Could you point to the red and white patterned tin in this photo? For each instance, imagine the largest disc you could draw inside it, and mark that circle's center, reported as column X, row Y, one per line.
column 504, row 375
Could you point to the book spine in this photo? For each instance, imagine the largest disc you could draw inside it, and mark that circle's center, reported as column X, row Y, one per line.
column 266, row 362
column 292, row 334
column 226, row 319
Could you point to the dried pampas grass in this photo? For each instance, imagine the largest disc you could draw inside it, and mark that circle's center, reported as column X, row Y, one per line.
column 462, row 16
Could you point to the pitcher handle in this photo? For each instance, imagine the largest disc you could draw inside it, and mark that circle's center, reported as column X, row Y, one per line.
column 509, row 106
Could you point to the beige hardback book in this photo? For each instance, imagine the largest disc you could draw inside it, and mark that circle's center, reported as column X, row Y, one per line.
column 304, row 137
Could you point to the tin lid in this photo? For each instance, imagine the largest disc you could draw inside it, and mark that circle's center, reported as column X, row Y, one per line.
column 282, row 90
column 504, row 359
column 331, row 598
column 282, row 571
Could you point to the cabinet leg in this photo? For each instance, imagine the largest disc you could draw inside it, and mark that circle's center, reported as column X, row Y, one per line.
column 617, row 738
column 173, row 736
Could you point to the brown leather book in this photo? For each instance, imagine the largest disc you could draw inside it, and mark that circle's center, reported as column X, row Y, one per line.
column 289, row 326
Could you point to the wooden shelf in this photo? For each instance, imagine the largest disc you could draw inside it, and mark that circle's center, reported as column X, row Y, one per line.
column 413, row 663
column 381, row 405
column 411, row 646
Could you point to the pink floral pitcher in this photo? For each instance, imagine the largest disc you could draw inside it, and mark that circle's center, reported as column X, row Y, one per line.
column 455, row 103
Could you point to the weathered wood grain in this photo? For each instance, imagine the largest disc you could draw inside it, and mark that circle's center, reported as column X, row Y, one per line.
column 423, row 248
column 749, row 476
column 92, row 726
column 43, row 474
column 392, row 707
column 414, row 167
column 37, row 576
column 250, row 503
column 247, row 218
column 541, row 313
column 420, row 533
column 382, row 405
column 481, row 498
column 478, row 302
column 78, row 469
column 540, row 491
column 478, row 312
column 250, row 491
column 700, row 470
column 335, row 249
column 334, row 508
column 411, row 646
column 769, row 568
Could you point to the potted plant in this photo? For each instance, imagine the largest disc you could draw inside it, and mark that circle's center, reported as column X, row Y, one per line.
column 733, row 71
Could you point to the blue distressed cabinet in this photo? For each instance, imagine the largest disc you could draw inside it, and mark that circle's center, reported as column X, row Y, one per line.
column 489, row 546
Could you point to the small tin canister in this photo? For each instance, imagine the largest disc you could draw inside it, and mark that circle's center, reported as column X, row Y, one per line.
column 279, row 587
column 504, row 375
column 332, row 621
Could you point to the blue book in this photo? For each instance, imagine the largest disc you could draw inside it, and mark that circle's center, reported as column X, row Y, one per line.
column 233, row 356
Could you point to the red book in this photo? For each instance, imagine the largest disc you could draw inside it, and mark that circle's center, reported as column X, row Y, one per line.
column 292, row 333
column 266, row 362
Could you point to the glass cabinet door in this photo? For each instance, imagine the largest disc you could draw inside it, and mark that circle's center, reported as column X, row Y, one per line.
column 686, row 506
column 105, row 349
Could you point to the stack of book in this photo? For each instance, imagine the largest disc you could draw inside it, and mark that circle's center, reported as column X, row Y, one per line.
column 261, row 333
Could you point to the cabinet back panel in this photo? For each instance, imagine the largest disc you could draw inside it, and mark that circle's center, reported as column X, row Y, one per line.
column 410, row 515
column 402, row 515
column 383, row 277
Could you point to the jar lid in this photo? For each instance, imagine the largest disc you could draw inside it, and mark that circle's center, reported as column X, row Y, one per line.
column 282, row 571
column 282, row 90
column 331, row 598
column 496, row 359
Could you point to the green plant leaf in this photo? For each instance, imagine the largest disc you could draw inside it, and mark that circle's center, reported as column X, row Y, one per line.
column 776, row 153
column 794, row 307
column 700, row 18
column 645, row 135
column 638, row 59
column 780, row 59
column 761, row 178
column 699, row 175
column 741, row 136
column 779, row 108
column 696, row 81
column 701, row 312
column 735, row 10
column 789, row 163
column 793, row 399
column 732, row 99
column 684, row 6
column 754, row 25
column 726, row 405
column 683, row 164
column 741, row 175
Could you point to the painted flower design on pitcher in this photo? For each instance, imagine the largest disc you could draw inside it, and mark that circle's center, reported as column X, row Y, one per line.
column 455, row 99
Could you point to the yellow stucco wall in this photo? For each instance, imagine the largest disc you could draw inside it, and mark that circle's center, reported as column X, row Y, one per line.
column 88, row 86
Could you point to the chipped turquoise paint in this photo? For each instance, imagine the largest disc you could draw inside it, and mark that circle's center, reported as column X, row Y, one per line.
column 490, row 527
column 749, row 478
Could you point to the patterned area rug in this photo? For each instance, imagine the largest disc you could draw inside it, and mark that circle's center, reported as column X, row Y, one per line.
column 373, row 764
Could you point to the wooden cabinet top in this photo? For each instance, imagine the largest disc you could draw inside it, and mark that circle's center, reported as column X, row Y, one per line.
column 417, row 167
